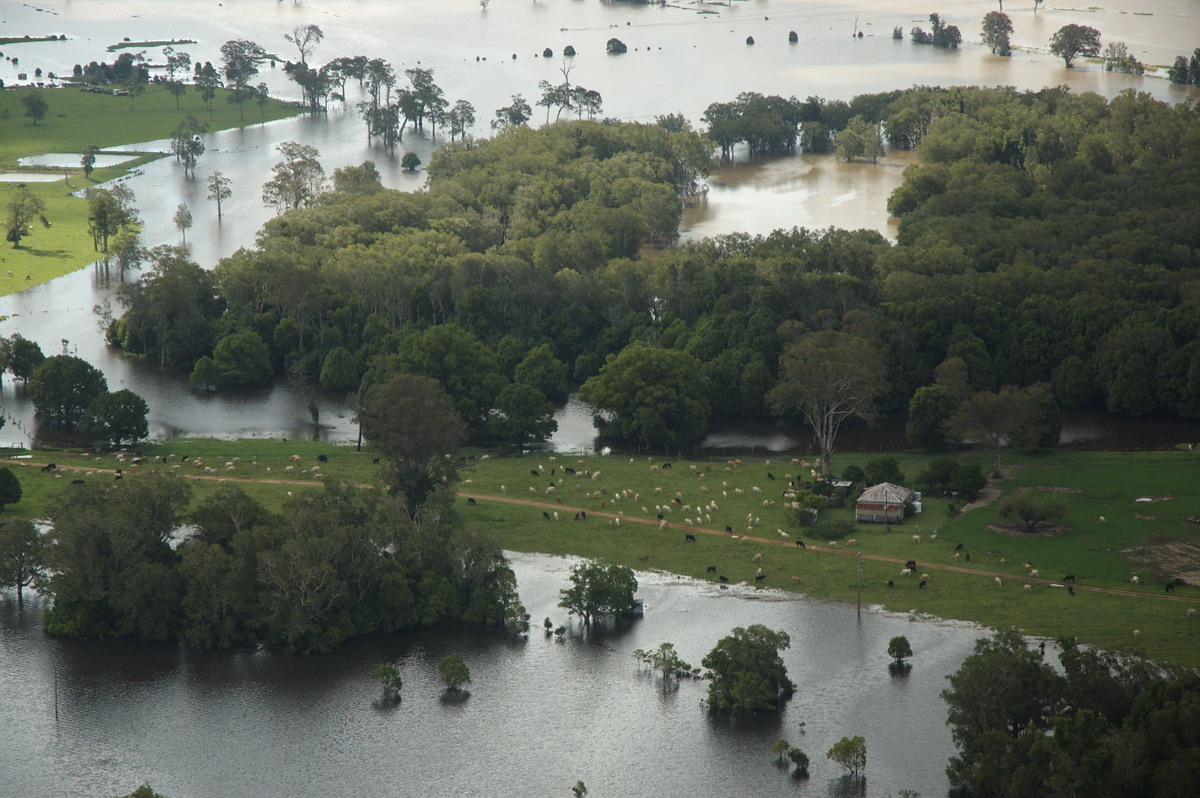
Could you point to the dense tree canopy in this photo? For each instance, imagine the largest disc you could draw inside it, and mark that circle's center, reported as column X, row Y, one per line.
column 746, row 671
column 598, row 590
column 63, row 386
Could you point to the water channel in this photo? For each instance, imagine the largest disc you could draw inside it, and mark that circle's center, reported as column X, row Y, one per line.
column 541, row 715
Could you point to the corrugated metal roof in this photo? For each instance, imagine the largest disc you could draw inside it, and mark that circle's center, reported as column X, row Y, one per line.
column 886, row 493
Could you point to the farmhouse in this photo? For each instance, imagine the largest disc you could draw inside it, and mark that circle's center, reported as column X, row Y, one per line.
column 883, row 503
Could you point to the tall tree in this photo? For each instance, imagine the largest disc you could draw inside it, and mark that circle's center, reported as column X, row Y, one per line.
column 241, row 59
column 996, row 28
column 410, row 420
column 63, row 386
column 183, row 221
column 829, row 377
column 208, row 80
column 598, row 590
column 10, row 487
column 746, row 672
column 306, row 38
column 514, row 114
column 1014, row 417
column 187, row 144
column 36, row 106
column 219, row 190
column 178, row 64
column 297, row 179
column 1071, row 41
column 23, row 207
column 88, row 159
column 21, row 551
column 453, row 672
column 850, row 753
column 656, row 397
column 117, row 419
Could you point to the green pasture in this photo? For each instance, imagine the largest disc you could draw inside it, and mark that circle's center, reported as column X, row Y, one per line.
column 76, row 119
column 1100, row 553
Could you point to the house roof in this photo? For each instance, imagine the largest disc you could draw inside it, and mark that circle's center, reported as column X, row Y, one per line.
column 886, row 493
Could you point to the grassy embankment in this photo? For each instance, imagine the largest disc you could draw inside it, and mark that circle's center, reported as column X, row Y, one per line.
column 1101, row 554
column 76, row 119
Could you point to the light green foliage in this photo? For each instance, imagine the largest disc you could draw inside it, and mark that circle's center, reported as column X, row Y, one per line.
column 746, row 671
column 598, row 590
column 453, row 672
column 899, row 648
column 297, row 180
column 996, row 28
column 859, row 139
column 389, row 680
column 850, row 753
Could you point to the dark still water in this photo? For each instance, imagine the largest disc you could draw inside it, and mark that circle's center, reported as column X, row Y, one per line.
column 541, row 714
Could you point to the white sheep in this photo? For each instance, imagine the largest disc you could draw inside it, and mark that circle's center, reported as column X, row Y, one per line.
column 1034, row 573
column 832, row 544
column 998, row 582
column 1133, row 580
column 757, row 558
column 906, row 572
column 1137, row 632
column 1027, row 587
column 916, row 538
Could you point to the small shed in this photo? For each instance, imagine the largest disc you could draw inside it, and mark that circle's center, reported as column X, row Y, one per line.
column 883, row 503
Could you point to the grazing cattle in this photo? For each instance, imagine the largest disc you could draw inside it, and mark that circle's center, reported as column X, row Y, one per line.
column 1169, row 587
column 783, row 534
column 891, row 583
column 545, row 515
column 958, row 547
column 712, row 569
column 729, row 529
column 1070, row 590
column 911, row 565
column 322, row 458
column 568, row 469
column 852, row 542
column 759, row 577
column 1069, row 578
column 665, row 466
column 770, row 475
column 49, row 466
column 689, row 538
column 724, row 579
column 832, row 544
column 922, row 585
column 998, row 582
column 800, row 544
column 77, row 482
column 795, row 580
column 470, row 500
column 1027, row 587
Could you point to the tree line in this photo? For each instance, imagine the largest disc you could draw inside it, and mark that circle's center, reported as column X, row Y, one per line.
column 1044, row 241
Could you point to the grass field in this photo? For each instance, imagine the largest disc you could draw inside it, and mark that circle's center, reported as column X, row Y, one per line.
column 1150, row 539
column 75, row 120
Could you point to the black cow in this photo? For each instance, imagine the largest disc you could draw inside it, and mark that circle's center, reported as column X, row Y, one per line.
column 77, row 482
column 770, row 475
column 533, row 472
column 470, row 500
column 49, row 466
column 911, row 565
column 712, row 569
column 958, row 547
column 800, row 544
column 665, row 466
column 322, row 458
column 689, row 538
column 1170, row 587
column 922, row 585
column 545, row 515
column 375, row 461
column 568, row 469
column 759, row 577
column 724, row 579
column 583, row 514
column 729, row 529
column 1070, row 590
column 891, row 583
column 1069, row 578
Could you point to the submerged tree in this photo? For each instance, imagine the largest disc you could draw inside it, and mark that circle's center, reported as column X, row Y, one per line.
column 1071, row 41
column 746, row 671
column 454, row 673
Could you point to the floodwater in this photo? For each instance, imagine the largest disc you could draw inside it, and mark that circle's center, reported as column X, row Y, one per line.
column 70, row 160
column 679, row 60
column 541, row 714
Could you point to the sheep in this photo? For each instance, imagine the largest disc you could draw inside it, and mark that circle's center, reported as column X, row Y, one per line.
column 756, row 488
column 906, row 572
column 1137, row 632
column 1027, row 587
column 503, row 489
column 916, row 538
column 532, row 491
column 556, row 515
column 758, row 572
column 795, row 579
column 1133, row 580
column 954, row 556
column 1191, row 612
column 289, row 469
column 549, row 490
column 852, row 542
column 998, row 582
column 832, row 544
column 757, row 558
column 1103, row 520
column 783, row 534
column 1034, row 573
column 924, row 576
column 933, row 536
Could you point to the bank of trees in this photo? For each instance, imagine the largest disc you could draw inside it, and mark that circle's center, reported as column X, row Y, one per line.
column 330, row 566
column 1044, row 249
column 1106, row 724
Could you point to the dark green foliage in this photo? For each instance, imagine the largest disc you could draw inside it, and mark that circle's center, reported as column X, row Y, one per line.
column 928, row 410
column 616, row 47
column 850, row 753
column 63, row 386
column 1111, row 724
column 942, row 35
column 1032, row 508
column 521, row 417
column 747, row 672
column 22, row 356
column 655, row 396
column 1073, row 40
column 883, row 469
column 945, row 476
column 598, row 590
column 22, row 549
column 116, row 419
column 899, row 648
column 10, row 487
column 331, row 566
column 454, row 672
